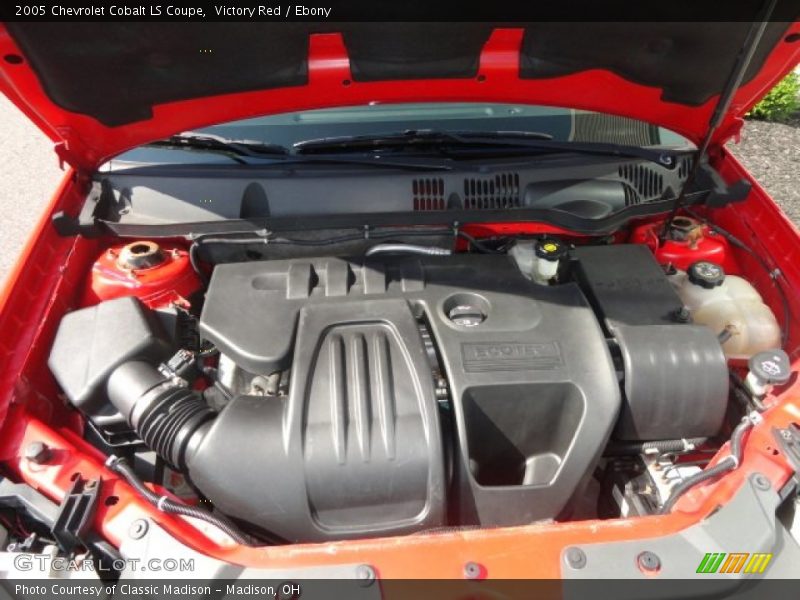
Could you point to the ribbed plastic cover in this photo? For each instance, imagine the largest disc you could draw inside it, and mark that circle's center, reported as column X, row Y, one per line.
column 356, row 449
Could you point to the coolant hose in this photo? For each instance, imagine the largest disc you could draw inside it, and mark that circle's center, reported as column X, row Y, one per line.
column 167, row 505
column 729, row 463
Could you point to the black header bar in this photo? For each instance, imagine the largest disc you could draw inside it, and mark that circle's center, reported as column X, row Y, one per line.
column 501, row 11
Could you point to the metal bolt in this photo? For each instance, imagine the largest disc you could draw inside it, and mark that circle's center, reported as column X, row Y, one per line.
column 576, row 558
column 90, row 485
column 365, row 575
column 138, row 529
column 37, row 452
column 786, row 434
column 472, row 570
column 761, row 482
column 682, row 315
column 648, row 561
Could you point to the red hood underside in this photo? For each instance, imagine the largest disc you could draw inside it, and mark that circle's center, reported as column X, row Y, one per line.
column 92, row 120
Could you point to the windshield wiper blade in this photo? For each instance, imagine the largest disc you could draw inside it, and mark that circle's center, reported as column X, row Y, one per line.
column 214, row 143
column 511, row 140
column 240, row 150
column 411, row 137
column 661, row 156
column 471, row 135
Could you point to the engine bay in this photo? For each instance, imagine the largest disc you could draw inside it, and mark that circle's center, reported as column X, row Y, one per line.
column 415, row 384
column 400, row 301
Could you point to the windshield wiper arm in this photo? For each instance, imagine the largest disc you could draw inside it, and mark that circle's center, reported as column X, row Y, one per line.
column 516, row 140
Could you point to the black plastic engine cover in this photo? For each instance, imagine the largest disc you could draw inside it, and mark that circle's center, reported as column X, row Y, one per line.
column 356, row 448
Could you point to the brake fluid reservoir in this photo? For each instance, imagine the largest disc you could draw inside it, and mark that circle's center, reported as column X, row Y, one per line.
column 727, row 302
column 539, row 260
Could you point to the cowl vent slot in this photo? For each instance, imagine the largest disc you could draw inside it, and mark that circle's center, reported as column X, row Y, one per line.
column 631, row 197
column 500, row 191
column 428, row 194
column 648, row 183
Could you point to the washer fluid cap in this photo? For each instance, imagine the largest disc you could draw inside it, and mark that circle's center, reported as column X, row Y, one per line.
column 771, row 366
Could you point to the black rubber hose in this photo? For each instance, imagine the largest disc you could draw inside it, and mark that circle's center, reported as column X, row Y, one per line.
column 478, row 245
column 167, row 416
column 169, row 506
column 729, row 463
column 738, row 437
column 725, row 465
column 657, row 447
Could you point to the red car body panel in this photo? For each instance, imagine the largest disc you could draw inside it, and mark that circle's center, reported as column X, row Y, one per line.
column 50, row 276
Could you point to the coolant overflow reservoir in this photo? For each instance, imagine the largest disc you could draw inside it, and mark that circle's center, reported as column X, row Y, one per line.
column 728, row 303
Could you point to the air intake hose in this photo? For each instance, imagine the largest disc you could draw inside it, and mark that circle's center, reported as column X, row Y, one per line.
column 168, row 416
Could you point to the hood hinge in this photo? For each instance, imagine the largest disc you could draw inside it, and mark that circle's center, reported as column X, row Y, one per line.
column 74, row 152
column 732, row 132
column 64, row 155
column 81, row 175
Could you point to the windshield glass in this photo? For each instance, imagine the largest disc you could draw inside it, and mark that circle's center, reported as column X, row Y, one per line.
column 288, row 129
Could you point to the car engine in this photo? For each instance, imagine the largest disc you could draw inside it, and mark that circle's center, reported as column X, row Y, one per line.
column 331, row 397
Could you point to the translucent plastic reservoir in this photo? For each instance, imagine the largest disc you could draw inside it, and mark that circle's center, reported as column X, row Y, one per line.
column 734, row 305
